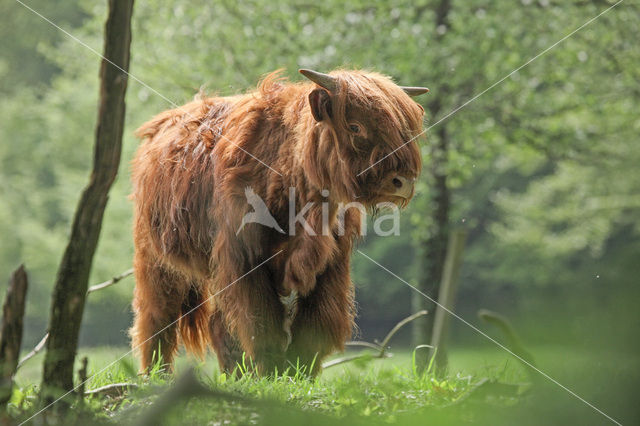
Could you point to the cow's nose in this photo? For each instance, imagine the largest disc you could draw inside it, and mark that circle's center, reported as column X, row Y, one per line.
column 403, row 186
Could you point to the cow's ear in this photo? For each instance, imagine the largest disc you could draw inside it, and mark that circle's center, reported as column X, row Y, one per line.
column 320, row 103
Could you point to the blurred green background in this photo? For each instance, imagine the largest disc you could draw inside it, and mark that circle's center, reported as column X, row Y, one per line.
column 544, row 168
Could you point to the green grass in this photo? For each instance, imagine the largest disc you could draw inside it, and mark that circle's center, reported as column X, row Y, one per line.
column 386, row 390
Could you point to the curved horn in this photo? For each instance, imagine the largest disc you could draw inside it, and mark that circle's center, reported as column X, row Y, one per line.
column 414, row 91
column 324, row 80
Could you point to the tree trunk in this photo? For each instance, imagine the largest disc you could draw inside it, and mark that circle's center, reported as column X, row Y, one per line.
column 446, row 298
column 434, row 246
column 72, row 279
column 11, row 333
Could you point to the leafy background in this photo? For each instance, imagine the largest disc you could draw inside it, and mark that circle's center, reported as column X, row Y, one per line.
column 544, row 166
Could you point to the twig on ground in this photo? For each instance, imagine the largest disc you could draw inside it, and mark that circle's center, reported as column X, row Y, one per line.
column 365, row 344
column 398, row 326
column 112, row 390
column 381, row 348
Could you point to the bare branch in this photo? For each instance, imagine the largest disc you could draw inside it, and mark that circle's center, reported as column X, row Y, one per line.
column 93, row 288
column 112, row 389
column 398, row 326
column 34, row 351
column 364, row 344
column 380, row 348
column 350, row 358
column 111, row 282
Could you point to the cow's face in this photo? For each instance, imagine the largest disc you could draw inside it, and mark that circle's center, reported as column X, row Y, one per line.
column 373, row 123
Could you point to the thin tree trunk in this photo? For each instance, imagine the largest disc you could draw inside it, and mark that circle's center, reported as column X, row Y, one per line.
column 446, row 298
column 72, row 279
column 434, row 246
column 11, row 333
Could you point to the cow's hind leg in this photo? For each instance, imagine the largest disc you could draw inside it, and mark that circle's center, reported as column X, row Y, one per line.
column 157, row 304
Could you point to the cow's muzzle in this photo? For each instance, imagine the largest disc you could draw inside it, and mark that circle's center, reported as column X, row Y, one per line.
column 401, row 187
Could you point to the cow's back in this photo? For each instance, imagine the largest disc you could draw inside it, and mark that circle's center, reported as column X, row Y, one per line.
column 173, row 183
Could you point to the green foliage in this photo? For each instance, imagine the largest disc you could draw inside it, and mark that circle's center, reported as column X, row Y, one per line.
column 23, row 54
column 379, row 391
column 543, row 165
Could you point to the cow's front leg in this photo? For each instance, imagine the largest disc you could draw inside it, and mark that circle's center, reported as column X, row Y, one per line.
column 246, row 299
column 324, row 320
column 310, row 250
column 254, row 316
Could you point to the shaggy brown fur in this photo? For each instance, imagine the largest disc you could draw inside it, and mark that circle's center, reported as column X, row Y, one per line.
column 189, row 177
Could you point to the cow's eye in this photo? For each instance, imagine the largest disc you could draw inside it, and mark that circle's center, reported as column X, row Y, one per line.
column 354, row 128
